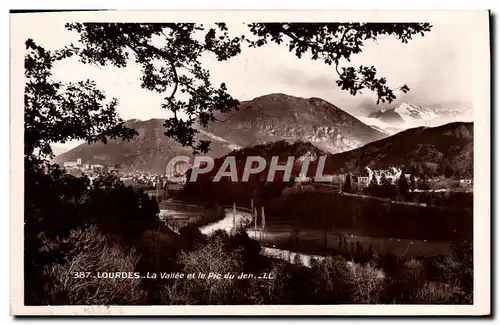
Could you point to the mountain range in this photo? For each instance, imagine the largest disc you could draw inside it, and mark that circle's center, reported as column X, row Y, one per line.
column 446, row 149
column 443, row 150
column 150, row 150
column 277, row 117
column 406, row 116
column 265, row 119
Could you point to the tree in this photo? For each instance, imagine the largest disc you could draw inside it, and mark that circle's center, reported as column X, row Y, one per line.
column 447, row 168
column 55, row 112
column 91, row 251
column 373, row 188
column 347, row 187
column 403, row 186
column 153, row 204
column 55, row 203
column 384, row 186
column 412, row 184
column 383, row 180
column 423, row 183
column 208, row 258
column 169, row 55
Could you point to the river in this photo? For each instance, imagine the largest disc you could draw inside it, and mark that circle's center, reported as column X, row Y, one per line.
column 239, row 219
column 279, row 235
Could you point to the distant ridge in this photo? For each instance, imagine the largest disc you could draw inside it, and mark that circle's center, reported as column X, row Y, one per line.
column 265, row 119
column 276, row 117
column 406, row 116
column 446, row 149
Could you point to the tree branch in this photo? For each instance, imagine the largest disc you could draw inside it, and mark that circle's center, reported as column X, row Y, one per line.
column 170, row 60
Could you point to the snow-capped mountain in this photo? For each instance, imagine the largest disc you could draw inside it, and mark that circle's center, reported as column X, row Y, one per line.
column 410, row 112
column 406, row 116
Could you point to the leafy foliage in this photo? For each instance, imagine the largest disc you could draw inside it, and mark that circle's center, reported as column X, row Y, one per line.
column 60, row 208
column 384, row 279
column 55, row 112
column 92, row 251
column 334, row 42
column 170, row 58
column 347, row 186
column 57, row 204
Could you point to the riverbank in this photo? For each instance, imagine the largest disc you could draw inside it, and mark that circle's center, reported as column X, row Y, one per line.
column 282, row 235
column 232, row 222
column 327, row 242
column 176, row 215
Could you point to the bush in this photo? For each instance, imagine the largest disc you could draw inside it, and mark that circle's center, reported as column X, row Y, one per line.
column 367, row 283
column 206, row 259
column 158, row 251
column 191, row 236
column 92, row 253
column 331, row 282
column 249, row 248
column 438, row 293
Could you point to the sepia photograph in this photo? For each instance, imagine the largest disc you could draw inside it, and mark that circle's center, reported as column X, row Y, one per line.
column 242, row 163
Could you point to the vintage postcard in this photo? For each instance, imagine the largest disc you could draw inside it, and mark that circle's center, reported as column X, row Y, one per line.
column 250, row 163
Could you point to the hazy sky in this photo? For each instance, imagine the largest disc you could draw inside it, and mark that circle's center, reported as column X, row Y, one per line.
column 437, row 68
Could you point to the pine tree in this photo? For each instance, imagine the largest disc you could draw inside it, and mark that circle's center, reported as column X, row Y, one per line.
column 347, row 184
column 403, row 186
column 412, row 183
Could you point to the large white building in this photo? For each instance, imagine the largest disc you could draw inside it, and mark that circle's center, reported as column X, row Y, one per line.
column 391, row 174
column 76, row 163
column 70, row 164
column 466, row 184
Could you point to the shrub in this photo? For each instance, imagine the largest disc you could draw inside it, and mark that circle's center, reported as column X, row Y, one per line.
column 158, row 251
column 438, row 293
column 249, row 248
column 206, row 259
column 92, row 253
column 331, row 281
column 367, row 283
column 296, row 260
column 413, row 271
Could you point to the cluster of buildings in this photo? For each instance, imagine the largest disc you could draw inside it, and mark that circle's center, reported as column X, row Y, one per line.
column 364, row 179
column 77, row 168
column 466, row 184
column 156, row 181
column 391, row 175
column 77, row 165
column 174, row 179
column 136, row 178
column 143, row 179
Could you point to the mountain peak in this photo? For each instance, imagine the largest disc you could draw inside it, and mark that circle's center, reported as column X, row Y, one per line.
column 265, row 119
column 407, row 115
column 278, row 116
column 411, row 111
column 276, row 96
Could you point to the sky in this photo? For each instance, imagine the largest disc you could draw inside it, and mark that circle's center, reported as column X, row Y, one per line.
column 437, row 67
